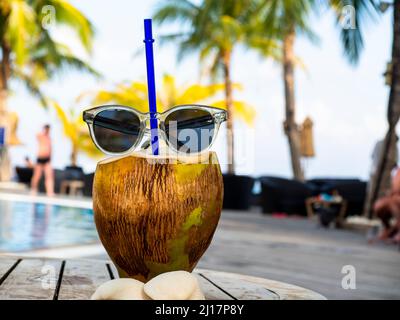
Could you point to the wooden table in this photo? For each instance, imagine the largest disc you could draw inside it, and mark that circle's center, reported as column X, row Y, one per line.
column 22, row 278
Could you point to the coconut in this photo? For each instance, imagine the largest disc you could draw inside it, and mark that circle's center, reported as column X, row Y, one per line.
column 176, row 285
column 156, row 214
column 120, row 289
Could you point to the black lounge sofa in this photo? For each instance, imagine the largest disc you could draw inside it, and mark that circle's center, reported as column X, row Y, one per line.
column 280, row 195
column 237, row 192
column 288, row 196
column 319, row 185
column 353, row 191
column 58, row 177
column 88, row 181
column 24, row 175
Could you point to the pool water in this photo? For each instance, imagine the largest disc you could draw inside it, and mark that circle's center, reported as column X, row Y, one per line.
column 28, row 226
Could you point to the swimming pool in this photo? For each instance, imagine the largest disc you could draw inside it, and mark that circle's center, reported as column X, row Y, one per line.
column 31, row 225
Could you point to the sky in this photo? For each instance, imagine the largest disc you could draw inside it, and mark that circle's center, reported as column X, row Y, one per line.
column 347, row 104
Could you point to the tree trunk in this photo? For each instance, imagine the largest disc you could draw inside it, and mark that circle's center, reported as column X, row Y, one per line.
column 5, row 66
column 291, row 129
column 74, row 155
column 5, row 163
column 226, row 60
column 381, row 179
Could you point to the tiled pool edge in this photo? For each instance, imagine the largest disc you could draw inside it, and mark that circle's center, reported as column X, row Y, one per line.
column 62, row 252
column 56, row 200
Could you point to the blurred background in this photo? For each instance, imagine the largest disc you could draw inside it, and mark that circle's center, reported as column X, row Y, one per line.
column 343, row 100
column 309, row 154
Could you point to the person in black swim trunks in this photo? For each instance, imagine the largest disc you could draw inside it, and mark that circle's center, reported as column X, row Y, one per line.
column 43, row 160
column 43, row 163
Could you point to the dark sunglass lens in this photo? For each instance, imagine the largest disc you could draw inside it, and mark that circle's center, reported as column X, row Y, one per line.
column 116, row 130
column 190, row 130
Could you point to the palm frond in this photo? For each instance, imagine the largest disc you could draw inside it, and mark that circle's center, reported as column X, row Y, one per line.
column 168, row 38
column 197, row 93
column 72, row 18
column 170, row 94
column 75, row 130
column 35, row 56
column 69, row 128
column 266, row 47
column 175, row 11
column 20, row 28
column 69, row 61
column 31, row 85
column 240, row 109
column 169, row 91
column 352, row 38
column 55, row 57
column 123, row 95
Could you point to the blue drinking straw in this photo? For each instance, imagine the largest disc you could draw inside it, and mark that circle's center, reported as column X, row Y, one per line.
column 151, row 86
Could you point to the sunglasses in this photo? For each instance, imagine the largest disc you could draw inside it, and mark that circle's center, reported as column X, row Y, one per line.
column 188, row 129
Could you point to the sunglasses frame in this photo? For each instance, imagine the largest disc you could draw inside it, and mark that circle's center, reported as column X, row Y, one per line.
column 218, row 115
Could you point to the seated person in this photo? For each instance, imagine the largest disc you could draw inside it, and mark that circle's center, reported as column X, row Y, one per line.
column 388, row 207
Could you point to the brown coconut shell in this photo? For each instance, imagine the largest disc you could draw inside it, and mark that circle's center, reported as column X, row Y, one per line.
column 155, row 215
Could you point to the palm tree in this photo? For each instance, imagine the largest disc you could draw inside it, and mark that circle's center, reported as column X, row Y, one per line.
column 29, row 52
column 353, row 44
column 215, row 28
column 170, row 94
column 76, row 131
column 285, row 19
column 352, row 38
column 282, row 21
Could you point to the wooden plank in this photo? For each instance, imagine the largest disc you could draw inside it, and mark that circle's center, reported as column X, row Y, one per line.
column 284, row 291
column 33, row 279
column 112, row 270
column 6, row 264
column 239, row 289
column 211, row 292
column 81, row 278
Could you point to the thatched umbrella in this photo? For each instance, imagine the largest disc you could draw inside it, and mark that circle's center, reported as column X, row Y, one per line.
column 307, row 139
